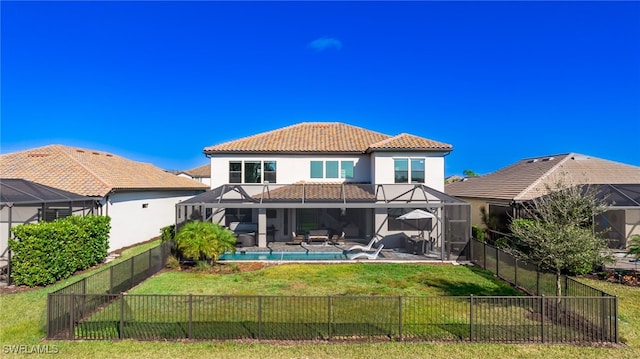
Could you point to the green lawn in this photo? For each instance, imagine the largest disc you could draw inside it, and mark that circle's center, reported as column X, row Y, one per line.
column 334, row 279
column 22, row 315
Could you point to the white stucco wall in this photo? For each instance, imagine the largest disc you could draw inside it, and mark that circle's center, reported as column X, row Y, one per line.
column 131, row 223
column 291, row 168
column 383, row 170
column 205, row 180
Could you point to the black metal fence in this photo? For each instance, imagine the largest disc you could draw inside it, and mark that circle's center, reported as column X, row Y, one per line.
column 79, row 299
column 583, row 309
column 526, row 276
column 96, row 308
column 341, row 318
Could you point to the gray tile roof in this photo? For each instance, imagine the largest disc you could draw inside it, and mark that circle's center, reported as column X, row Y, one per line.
column 527, row 179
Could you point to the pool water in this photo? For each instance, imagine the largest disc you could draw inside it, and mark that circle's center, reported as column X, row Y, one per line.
column 283, row 256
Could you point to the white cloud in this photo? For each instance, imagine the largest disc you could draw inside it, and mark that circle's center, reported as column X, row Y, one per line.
column 325, row 43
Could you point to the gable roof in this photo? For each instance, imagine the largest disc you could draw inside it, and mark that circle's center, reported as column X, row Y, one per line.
column 527, row 179
column 324, row 137
column 89, row 172
column 200, row 172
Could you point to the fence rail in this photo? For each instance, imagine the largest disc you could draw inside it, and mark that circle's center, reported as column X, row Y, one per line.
column 96, row 308
column 75, row 301
column 538, row 319
column 526, row 276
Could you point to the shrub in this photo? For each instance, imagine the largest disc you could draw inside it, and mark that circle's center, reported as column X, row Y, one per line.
column 173, row 263
column 478, row 233
column 167, row 233
column 204, row 240
column 45, row 252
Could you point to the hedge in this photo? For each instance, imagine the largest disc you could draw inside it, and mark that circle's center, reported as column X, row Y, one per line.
column 45, row 252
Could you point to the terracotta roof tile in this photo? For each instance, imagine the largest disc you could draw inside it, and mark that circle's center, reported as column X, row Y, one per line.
column 405, row 141
column 324, row 192
column 88, row 172
column 202, row 171
column 526, row 179
column 320, row 137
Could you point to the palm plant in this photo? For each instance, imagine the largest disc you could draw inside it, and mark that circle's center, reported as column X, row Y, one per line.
column 634, row 248
column 204, row 240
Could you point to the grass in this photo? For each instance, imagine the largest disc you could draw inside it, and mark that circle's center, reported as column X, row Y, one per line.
column 22, row 319
column 334, row 279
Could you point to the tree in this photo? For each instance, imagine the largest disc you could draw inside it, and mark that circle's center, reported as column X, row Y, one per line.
column 559, row 236
column 201, row 240
column 469, row 173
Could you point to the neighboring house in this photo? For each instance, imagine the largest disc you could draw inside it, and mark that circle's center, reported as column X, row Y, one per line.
column 23, row 201
column 502, row 193
column 201, row 174
column 140, row 198
column 332, row 176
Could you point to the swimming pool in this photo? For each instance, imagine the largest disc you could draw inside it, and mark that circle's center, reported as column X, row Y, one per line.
column 283, row 256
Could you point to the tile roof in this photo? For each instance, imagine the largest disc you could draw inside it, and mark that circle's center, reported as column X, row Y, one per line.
column 526, row 179
column 88, row 172
column 320, row 192
column 325, row 137
column 410, row 142
column 200, row 172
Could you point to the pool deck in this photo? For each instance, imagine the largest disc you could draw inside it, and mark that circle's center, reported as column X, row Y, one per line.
column 386, row 255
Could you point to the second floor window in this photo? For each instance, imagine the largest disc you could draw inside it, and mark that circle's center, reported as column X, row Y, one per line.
column 252, row 172
column 409, row 170
column 331, row 169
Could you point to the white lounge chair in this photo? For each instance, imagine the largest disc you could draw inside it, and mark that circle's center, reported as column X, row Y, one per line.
column 365, row 255
column 364, row 248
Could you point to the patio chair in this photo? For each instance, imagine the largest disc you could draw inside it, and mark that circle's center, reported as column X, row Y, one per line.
column 296, row 239
column 365, row 255
column 335, row 239
column 364, row 248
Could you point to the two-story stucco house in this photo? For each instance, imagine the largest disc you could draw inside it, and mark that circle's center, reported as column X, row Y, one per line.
column 201, row 174
column 332, row 176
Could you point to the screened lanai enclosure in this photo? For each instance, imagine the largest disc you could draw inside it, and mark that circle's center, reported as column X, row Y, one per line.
column 359, row 212
column 23, row 201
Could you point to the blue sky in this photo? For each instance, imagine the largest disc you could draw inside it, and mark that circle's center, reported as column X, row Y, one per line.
column 159, row 81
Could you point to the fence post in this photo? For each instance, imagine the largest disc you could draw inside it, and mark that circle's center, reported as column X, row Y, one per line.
column 132, row 264
column 111, row 279
column 121, row 334
column 400, row 317
column 72, row 318
column 484, row 256
column 615, row 318
column 542, row 316
column 84, row 297
column 48, row 315
column 190, row 333
column 259, row 317
column 328, row 317
column 471, row 334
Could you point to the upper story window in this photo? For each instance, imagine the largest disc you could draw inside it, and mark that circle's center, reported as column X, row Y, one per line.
column 331, row 169
column 252, row 171
column 409, row 170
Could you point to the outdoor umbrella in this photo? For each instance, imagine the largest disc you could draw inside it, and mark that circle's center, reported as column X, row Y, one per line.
column 417, row 214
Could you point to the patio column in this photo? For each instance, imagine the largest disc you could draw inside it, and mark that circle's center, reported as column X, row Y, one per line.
column 262, row 227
